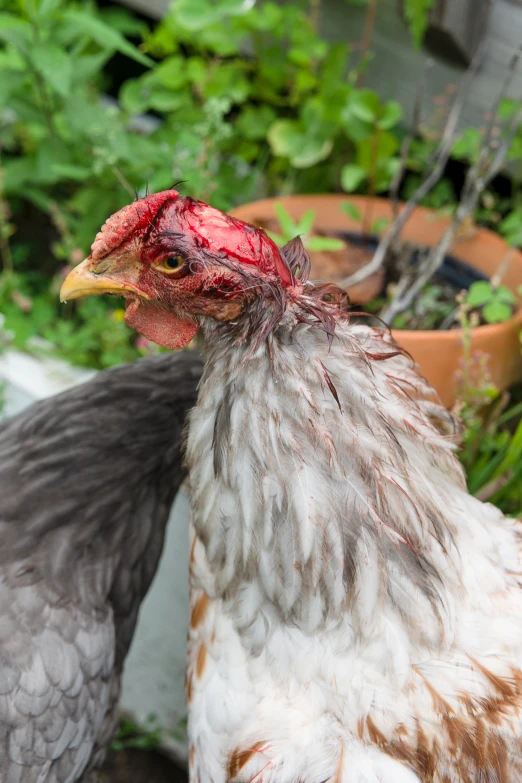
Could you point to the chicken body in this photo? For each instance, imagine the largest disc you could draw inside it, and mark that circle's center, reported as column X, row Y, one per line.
column 356, row 614
column 87, row 480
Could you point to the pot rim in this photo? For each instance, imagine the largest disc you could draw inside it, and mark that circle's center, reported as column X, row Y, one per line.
column 418, row 335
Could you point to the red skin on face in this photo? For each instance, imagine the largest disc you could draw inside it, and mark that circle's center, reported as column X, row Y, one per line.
column 207, row 227
column 141, row 230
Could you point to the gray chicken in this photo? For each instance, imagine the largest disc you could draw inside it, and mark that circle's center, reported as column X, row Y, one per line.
column 87, row 480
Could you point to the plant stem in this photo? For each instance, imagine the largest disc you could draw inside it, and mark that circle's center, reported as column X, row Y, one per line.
column 369, row 25
column 5, row 248
column 485, row 492
column 314, row 13
column 436, row 171
column 124, row 182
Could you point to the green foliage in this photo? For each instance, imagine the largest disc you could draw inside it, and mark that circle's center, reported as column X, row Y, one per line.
column 429, row 310
column 511, row 227
column 378, row 225
column 130, row 735
column 91, row 334
column 491, row 448
column 303, row 229
column 416, row 13
column 246, row 99
column 495, row 303
column 491, row 445
column 77, row 158
column 351, row 210
column 290, row 102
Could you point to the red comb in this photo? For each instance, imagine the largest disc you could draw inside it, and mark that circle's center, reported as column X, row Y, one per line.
column 207, row 227
column 129, row 220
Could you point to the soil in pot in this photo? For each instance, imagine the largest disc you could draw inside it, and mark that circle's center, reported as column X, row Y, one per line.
column 435, row 307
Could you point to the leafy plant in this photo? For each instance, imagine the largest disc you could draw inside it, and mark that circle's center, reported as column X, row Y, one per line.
column 431, row 307
column 303, row 229
column 495, row 303
column 378, row 225
column 416, row 13
column 511, row 227
column 368, row 124
column 491, row 441
column 130, row 735
column 292, row 101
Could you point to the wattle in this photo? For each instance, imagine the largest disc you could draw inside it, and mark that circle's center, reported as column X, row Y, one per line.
column 160, row 324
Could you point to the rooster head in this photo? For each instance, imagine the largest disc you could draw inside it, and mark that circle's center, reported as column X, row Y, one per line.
column 176, row 260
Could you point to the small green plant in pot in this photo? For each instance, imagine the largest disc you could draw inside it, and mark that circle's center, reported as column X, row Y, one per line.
column 494, row 303
column 302, row 228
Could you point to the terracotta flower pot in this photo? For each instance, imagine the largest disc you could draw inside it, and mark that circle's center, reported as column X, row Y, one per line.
column 439, row 353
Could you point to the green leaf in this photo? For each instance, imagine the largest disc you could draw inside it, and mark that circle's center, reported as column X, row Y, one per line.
column 496, row 312
column 352, row 176
column 416, row 13
column 385, row 172
column 307, row 220
column 514, row 453
column 351, row 210
column 503, row 294
column 284, row 137
column 124, row 21
column 288, row 227
column 480, row 293
column 313, row 151
column 391, row 115
column 324, row 243
column 511, row 227
column 254, row 121
column 134, row 96
column 17, row 172
column 105, row 36
column 468, row 145
column 277, row 238
column 16, row 31
column 364, row 104
column 71, row 171
column 88, row 65
column 165, row 100
column 378, row 149
column 287, row 139
column 48, row 7
column 171, row 73
column 196, row 15
column 379, row 225
column 12, row 22
column 54, row 65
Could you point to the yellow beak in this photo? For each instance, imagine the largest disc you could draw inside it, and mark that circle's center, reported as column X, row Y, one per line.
column 82, row 282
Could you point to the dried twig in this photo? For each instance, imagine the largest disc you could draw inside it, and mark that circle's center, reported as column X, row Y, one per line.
column 406, row 142
column 435, row 172
column 369, row 25
column 492, row 487
column 503, row 267
column 479, row 175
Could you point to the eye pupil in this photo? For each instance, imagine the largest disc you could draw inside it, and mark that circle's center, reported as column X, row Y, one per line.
column 173, row 262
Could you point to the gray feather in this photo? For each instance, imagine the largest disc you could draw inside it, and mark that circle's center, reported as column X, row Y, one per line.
column 87, row 480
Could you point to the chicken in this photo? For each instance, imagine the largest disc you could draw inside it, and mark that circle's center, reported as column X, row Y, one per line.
column 87, row 480
column 356, row 614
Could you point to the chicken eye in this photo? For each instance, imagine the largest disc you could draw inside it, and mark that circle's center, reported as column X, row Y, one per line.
column 171, row 263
